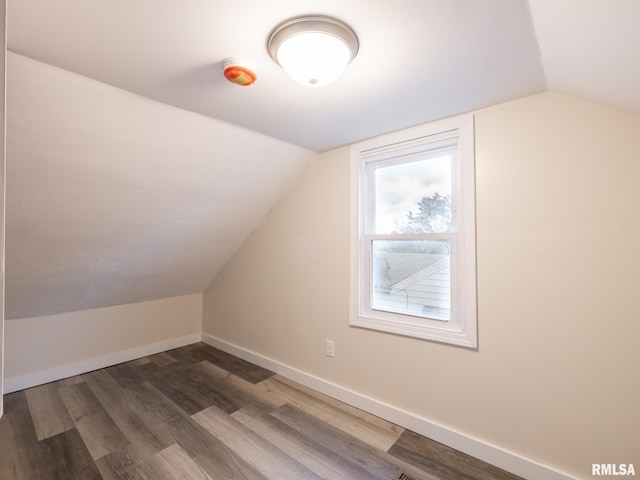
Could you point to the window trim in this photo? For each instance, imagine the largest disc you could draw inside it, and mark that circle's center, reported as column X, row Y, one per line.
column 462, row 330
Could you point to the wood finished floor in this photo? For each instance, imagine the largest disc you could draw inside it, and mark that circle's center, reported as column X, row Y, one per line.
column 199, row 413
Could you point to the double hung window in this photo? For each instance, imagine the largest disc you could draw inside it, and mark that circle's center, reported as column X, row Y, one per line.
column 413, row 233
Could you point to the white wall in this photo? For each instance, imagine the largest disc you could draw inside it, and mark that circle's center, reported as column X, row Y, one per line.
column 556, row 376
column 3, row 52
column 42, row 349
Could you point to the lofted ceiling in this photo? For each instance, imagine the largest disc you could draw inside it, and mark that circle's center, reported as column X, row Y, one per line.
column 135, row 170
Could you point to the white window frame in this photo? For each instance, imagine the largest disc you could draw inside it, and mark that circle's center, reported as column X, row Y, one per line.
column 400, row 147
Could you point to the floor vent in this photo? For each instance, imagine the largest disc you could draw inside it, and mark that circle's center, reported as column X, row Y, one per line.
column 403, row 476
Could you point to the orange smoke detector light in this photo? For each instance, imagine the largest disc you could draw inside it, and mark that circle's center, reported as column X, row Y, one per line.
column 237, row 73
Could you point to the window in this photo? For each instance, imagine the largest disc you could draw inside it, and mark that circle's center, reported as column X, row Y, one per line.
column 413, row 233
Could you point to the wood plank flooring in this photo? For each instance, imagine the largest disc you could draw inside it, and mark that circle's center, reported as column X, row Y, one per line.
column 199, row 413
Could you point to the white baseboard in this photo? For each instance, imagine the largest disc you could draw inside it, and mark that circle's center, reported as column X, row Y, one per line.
column 485, row 451
column 20, row 382
column 500, row 457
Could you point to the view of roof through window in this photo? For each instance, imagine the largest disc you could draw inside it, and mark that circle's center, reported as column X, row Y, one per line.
column 413, row 276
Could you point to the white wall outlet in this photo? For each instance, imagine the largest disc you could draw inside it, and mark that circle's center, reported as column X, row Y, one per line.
column 331, row 348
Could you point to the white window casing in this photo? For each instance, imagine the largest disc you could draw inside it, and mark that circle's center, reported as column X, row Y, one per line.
column 454, row 318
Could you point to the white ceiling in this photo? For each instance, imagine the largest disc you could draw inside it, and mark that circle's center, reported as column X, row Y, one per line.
column 591, row 49
column 113, row 198
column 419, row 59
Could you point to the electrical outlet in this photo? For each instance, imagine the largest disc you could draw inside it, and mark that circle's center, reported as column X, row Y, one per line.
column 331, row 348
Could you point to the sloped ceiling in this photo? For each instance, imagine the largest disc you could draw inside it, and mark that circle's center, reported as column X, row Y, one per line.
column 113, row 198
column 134, row 170
column 591, row 49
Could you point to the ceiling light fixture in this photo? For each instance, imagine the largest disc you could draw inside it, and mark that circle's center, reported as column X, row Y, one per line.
column 313, row 50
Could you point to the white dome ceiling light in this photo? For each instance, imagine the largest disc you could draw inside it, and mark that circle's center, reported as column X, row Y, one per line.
column 313, row 50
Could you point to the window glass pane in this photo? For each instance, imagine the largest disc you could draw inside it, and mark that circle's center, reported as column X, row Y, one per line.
column 412, row 277
column 414, row 197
